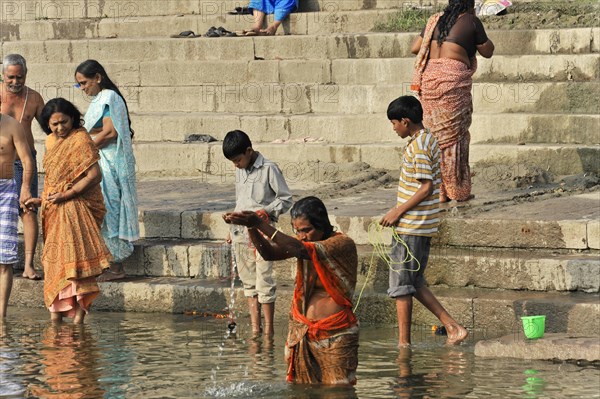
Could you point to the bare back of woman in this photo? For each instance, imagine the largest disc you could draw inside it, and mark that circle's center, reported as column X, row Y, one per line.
column 465, row 38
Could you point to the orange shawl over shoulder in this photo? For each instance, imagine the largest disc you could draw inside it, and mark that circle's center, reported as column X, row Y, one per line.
column 73, row 245
column 335, row 261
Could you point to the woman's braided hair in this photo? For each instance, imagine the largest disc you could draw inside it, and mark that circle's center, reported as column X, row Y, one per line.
column 451, row 13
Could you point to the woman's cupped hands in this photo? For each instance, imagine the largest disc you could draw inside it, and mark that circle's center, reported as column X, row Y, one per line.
column 244, row 218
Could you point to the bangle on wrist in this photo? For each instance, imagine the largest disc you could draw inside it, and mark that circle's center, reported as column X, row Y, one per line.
column 274, row 234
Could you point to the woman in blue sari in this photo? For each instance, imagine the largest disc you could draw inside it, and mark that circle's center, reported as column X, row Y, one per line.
column 107, row 120
column 260, row 8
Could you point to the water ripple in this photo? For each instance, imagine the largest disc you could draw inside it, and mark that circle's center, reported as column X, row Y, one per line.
column 164, row 356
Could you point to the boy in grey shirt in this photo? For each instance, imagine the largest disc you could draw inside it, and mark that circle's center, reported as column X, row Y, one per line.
column 259, row 187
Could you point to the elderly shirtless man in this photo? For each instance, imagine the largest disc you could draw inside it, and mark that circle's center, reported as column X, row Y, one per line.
column 13, row 142
column 23, row 104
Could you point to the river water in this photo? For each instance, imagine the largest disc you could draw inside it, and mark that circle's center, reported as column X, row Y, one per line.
column 132, row 355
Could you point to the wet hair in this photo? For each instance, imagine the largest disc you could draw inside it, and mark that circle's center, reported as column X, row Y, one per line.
column 59, row 105
column 450, row 15
column 235, row 143
column 89, row 69
column 405, row 107
column 14, row 59
column 313, row 209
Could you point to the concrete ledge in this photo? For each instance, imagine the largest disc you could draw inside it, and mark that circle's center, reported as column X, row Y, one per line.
column 342, row 128
column 315, row 162
column 556, row 223
column 334, row 46
column 514, row 233
column 132, row 9
column 513, row 269
column 593, row 234
column 298, row 98
column 550, row 347
column 487, row 313
column 510, row 269
column 473, row 232
column 129, row 26
column 582, row 67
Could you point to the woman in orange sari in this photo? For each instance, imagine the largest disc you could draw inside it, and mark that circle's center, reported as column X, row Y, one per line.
column 444, row 69
column 72, row 211
column 322, row 343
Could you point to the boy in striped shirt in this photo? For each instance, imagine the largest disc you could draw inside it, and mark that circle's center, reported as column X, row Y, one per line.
column 415, row 218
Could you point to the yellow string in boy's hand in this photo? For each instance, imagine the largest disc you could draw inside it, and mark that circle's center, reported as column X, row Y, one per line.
column 376, row 235
column 376, row 239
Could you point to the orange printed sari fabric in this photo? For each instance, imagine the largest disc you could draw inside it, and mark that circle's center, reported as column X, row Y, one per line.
column 74, row 251
column 326, row 350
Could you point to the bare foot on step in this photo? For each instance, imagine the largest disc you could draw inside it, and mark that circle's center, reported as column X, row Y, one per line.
column 110, row 275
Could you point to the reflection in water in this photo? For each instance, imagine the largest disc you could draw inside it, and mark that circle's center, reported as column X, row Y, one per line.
column 447, row 379
column 157, row 356
column 69, row 364
column 261, row 351
column 12, row 384
column 534, row 385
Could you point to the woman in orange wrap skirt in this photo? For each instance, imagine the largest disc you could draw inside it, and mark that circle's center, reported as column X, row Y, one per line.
column 322, row 343
column 72, row 210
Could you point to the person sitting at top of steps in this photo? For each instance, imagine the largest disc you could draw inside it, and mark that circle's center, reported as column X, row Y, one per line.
column 260, row 8
column 261, row 187
column 415, row 220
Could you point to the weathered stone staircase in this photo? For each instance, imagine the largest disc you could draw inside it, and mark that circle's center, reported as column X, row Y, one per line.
column 322, row 92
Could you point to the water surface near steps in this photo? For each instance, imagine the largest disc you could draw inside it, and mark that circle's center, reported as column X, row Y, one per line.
column 144, row 356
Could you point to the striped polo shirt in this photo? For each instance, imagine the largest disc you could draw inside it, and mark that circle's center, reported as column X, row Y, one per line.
column 421, row 160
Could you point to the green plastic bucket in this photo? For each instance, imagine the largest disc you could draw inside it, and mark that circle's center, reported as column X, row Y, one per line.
column 534, row 326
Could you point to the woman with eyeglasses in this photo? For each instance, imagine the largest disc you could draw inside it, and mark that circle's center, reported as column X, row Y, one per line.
column 322, row 343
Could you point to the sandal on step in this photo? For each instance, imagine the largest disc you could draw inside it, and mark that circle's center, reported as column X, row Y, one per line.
column 186, row 34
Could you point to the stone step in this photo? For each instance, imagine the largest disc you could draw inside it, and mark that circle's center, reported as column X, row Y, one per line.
column 333, row 46
column 519, row 70
column 561, row 223
column 298, row 98
column 124, row 11
column 132, row 9
column 581, row 350
column 340, row 128
column 510, row 269
column 486, row 313
column 514, row 269
column 131, row 26
column 309, row 161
